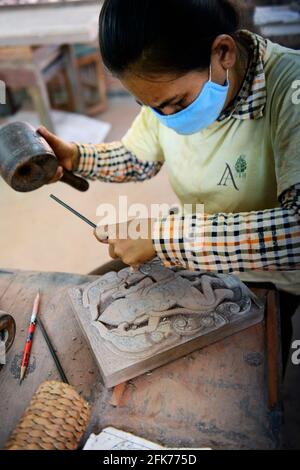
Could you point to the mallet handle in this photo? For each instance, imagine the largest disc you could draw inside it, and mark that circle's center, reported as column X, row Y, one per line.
column 75, row 181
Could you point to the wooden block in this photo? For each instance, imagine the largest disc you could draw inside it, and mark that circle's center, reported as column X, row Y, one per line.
column 136, row 322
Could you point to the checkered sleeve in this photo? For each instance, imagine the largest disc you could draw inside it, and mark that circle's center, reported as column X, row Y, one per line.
column 114, row 163
column 264, row 241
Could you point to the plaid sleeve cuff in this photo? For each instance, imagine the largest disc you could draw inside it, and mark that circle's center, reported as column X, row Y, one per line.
column 178, row 239
column 159, row 243
column 88, row 156
column 114, row 163
column 229, row 243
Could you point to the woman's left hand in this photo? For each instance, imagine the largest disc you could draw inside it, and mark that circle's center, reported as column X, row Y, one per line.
column 131, row 242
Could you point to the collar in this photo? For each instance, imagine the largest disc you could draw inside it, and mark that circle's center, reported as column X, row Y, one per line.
column 251, row 100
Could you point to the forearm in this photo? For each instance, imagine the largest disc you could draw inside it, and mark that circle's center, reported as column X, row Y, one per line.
column 224, row 243
column 113, row 163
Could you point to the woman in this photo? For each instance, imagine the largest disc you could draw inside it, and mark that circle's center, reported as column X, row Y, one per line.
column 220, row 109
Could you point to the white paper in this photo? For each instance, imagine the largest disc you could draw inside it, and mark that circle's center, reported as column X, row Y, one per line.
column 113, row 439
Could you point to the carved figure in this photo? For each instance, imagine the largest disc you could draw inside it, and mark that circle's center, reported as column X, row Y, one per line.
column 141, row 313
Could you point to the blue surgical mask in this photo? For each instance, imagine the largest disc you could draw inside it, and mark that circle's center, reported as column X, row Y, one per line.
column 200, row 114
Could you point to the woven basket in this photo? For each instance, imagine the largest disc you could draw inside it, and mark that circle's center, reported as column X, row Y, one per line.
column 56, row 419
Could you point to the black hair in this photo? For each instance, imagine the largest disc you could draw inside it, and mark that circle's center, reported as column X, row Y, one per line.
column 154, row 36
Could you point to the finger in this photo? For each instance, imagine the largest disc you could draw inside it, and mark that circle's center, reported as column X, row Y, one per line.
column 101, row 240
column 58, row 176
column 135, row 268
column 52, row 139
column 101, row 234
column 112, row 241
column 112, row 253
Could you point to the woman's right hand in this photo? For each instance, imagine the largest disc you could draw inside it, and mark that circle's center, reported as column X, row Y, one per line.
column 67, row 153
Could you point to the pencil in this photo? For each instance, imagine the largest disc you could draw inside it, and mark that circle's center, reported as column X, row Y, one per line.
column 31, row 329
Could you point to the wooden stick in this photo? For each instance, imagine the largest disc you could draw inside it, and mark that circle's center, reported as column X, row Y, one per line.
column 118, row 394
column 52, row 351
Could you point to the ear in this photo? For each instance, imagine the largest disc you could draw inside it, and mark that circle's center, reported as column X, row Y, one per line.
column 224, row 51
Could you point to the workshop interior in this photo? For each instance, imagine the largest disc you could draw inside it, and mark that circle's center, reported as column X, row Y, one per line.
column 150, row 227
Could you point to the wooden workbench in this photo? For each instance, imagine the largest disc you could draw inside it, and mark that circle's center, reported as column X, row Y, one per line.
column 224, row 396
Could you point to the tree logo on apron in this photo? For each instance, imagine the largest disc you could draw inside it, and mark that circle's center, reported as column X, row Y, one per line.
column 241, row 166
